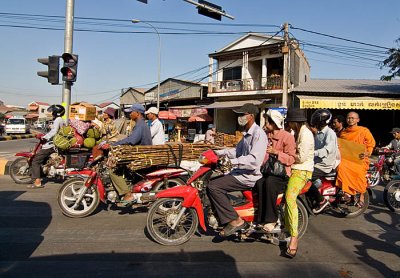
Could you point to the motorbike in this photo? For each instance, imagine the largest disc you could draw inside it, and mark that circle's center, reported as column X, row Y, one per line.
column 58, row 165
column 80, row 195
column 175, row 216
column 383, row 169
column 391, row 195
column 336, row 198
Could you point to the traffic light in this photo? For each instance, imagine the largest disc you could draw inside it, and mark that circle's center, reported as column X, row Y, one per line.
column 53, row 66
column 210, row 9
column 70, row 67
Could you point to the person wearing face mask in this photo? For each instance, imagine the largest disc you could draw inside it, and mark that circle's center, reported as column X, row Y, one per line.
column 246, row 160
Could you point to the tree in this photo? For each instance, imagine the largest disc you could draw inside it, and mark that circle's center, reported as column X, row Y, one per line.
column 392, row 62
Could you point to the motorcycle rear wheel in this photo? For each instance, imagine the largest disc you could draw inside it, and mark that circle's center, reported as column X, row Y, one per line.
column 302, row 218
column 68, row 194
column 20, row 171
column 391, row 195
column 161, row 216
column 352, row 210
column 170, row 183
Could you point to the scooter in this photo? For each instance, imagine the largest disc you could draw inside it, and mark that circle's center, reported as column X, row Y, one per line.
column 175, row 216
column 383, row 169
column 81, row 193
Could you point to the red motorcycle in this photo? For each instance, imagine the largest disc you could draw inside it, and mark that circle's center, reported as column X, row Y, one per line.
column 383, row 169
column 337, row 201
column 176, row 215
column 80, row 195
column 56, row 166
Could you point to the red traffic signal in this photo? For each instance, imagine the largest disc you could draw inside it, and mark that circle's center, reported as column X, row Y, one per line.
column 70, row 67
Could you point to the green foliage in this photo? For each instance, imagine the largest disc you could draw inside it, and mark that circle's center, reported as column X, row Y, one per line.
column 392, row 62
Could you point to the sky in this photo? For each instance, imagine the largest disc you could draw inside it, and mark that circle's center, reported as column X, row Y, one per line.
column 115, row 54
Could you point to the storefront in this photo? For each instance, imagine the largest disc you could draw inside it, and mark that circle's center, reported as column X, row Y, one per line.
column 376, row 102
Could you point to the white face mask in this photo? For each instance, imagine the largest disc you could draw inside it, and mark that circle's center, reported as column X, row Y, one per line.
column 243, row 120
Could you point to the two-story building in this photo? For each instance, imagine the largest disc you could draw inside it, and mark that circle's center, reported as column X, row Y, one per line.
column 37, row 111
column 253, row 69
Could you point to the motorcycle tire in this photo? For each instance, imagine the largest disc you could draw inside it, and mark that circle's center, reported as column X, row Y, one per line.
column 21, row 163
column 68, row 194
column 170, row 183
column 353, row 211
column 161, row 216
column 391, row 195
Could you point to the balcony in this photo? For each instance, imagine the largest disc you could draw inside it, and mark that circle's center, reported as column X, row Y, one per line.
column 273, row 82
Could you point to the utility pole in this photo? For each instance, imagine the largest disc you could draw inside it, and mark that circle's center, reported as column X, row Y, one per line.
column 286, row 56
column 68, row 42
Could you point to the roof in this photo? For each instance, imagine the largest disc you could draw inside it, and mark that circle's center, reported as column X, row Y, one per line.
column 39, row 103
column 130, row 89
column 105, row 104
column 350, row 86
column 178, row 81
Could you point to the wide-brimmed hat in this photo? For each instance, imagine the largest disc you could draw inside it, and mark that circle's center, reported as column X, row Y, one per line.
column 296, row 115
column 276, row 117
column 395, row 129
column 247, row 108
column 136, row 107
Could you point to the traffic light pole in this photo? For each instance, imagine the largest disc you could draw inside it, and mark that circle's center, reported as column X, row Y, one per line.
column 68, row 41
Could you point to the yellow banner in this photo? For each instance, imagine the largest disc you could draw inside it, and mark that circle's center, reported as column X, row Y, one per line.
column 380, row 104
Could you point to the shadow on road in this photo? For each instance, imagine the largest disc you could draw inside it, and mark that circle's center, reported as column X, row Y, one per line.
column 369, row 247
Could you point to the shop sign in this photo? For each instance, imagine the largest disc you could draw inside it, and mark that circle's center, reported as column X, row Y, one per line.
column 374, row 104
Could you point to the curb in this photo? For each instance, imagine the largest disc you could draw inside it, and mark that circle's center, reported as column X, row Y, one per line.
column 5, row 167
column 14, row 137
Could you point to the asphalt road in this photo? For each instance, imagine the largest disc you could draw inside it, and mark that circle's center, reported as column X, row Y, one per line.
column 9, row 148
column 36, row 240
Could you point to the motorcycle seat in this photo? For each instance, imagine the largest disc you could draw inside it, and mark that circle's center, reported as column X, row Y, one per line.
column 331, row 174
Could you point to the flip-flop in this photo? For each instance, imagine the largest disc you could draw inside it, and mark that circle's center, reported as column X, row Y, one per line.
column 32, row 186
column 290, row 253
column 269, row 227
column 360, row 204
column 230, row 229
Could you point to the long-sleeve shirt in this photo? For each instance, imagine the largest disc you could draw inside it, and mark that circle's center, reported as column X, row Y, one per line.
column 140, row 135
column 248, row 155
column 157, row 132
column 326, row 150
column 284, row 143
column 305, row 150
column 57, row 124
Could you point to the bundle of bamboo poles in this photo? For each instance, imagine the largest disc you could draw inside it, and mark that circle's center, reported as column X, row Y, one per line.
column 227, row 140
column 140, row 157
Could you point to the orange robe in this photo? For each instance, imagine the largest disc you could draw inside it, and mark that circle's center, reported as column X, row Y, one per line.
column 351, row 175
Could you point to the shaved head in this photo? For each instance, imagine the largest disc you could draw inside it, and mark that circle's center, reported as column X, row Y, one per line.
column 352, row 118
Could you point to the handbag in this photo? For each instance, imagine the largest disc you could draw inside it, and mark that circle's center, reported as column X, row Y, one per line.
column 273, row 167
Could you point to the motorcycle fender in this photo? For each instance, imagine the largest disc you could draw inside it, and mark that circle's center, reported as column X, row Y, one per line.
column 84, row 173
column 100, row 188
column 24, row 154
column 190, row 198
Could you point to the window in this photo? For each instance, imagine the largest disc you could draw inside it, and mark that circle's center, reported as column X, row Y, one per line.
column 42, row 110
column 232, row 73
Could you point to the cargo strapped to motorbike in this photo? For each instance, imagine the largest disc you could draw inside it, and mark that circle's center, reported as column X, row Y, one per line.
column 140, row 157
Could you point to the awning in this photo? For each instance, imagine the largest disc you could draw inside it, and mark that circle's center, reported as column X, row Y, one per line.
column 232, row 104
column 366, row 103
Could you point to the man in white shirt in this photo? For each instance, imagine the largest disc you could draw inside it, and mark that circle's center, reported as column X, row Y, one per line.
column 156, row 127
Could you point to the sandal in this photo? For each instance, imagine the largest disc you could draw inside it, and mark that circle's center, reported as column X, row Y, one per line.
column 32, row 186
column 290, row 253
column 230, row 229
column 124, row 203
column 269, row 227
column 360, row 204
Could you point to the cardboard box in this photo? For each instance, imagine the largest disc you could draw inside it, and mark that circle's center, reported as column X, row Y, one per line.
column 82, row 111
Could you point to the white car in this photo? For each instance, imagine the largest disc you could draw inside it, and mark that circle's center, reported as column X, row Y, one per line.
column 17, row 125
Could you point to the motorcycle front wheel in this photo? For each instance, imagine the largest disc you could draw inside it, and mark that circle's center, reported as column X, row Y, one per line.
column 391, row 195
column 20, row 171
column 169, row 184
column 161, row 216
column 68, row 197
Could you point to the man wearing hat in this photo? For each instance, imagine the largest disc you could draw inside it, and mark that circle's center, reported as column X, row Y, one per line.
column 246, row 160
column 395, row 145
column 156, row 127
column 140, row 136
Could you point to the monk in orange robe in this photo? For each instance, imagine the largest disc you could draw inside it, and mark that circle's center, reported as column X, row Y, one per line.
column 352, row 175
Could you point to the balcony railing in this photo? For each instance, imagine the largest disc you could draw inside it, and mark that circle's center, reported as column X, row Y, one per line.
column 273, row 82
